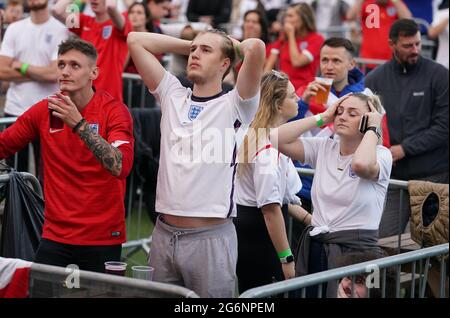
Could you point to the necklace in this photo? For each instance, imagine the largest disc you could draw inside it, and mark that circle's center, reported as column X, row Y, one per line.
column 342, row 161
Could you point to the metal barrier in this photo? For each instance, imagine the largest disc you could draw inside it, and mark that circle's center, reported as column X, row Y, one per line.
column 362, row 63
column 59, row 282
column 393, row 184
column 345, row 30
column 5, row 122
column 31, row 179
column 129, row 80
column 382, row 265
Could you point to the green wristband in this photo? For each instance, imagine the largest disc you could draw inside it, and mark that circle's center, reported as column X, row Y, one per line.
column 285, row 253
column 238, row 52
column 24, row 68
column 319, row 120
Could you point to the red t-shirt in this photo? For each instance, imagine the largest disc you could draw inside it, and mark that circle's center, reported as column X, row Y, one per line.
column 111, row 45
column 299, row 75
column 375, row 38
column 84, row 203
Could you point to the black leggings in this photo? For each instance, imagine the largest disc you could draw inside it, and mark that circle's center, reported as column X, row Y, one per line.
column 90, row 258
column 258, row 263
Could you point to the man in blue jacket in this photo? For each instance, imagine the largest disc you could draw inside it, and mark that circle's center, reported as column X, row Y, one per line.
column 414, row 90
column 336, row 62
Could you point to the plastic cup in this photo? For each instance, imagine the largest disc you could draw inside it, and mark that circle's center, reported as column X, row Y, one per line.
column 115, row 268
column 322, row 96
column 55, row 122
column 143, row 272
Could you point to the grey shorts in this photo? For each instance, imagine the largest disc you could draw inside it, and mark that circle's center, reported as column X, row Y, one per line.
column 200, row 259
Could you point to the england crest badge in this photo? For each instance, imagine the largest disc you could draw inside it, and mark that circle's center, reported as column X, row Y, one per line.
column 48, row 38
column 107, row 31
column 194, row 111
column 391, row 11
column 94, row 128
column 303, row 45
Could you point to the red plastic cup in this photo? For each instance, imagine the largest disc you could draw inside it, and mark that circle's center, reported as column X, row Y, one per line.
column 116, row 268
column 55, row 122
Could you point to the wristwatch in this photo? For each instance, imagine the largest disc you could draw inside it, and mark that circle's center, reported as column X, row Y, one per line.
column 376, row 130
column 287, row 259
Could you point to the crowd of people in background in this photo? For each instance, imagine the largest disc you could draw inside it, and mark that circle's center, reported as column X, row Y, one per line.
column 243, row 66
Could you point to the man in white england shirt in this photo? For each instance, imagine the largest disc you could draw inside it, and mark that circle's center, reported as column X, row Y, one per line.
column 194, row 242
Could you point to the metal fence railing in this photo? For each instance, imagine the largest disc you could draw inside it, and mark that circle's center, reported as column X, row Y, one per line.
column 393, row 184
column 4, row 123
column 59, row 282
column 28, row 177
column 419, row 266
column 363, row 63
column 132, row 82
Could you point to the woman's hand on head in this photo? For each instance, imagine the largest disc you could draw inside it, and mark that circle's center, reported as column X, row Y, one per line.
column 373, row 117
column 329, row 115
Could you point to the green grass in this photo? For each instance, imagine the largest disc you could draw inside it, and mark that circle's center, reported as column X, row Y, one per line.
column 134, row 232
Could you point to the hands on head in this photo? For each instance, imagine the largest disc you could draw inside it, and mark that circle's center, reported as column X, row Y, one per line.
column 374, row 117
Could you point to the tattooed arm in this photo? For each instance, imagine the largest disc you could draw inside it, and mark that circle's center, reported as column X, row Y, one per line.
column 110, row 157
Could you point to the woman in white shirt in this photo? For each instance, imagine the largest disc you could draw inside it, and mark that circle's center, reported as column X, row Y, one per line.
column 351, row 178
column 265, row 183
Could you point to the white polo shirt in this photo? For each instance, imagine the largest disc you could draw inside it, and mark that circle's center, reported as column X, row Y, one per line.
column 36, row 44
column 198, row 150
column 341, row 199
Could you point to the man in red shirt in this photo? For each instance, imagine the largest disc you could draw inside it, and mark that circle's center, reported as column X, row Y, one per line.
column 377, row 17
column 87, row 149
column 108, row 32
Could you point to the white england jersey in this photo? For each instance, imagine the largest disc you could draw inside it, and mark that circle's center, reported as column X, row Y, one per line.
column 36, row 44
column 341, row 199
column 198, row 150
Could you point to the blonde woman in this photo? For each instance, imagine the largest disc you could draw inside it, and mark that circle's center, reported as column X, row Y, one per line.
column 350, row 182
column 263, row 190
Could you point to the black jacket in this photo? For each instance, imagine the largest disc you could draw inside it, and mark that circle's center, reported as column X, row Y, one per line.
column 416, row 103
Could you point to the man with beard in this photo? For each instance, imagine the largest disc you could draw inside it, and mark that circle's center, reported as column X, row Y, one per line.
column 194, row 241
column 414, row 91
column 107, row 31
column 28, row 61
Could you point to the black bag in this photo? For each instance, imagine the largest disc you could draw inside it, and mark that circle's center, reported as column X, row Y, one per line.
column 22, row 220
